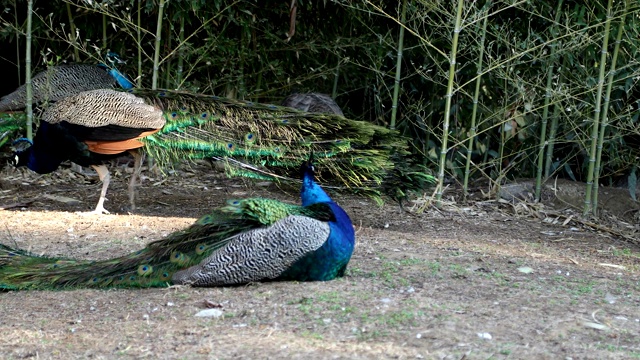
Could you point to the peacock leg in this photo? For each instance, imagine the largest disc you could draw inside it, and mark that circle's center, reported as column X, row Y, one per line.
column 103, row 173
column 137, row 167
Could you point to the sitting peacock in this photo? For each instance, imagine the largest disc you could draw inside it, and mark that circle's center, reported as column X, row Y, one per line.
column 313, row 102
column 58, row 82
column 246, row 241
column 255, row 140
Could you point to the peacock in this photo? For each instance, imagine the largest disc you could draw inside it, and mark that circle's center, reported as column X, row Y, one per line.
column 58, row 82
column 254, row 140
column 245, row 241
column 312, row 102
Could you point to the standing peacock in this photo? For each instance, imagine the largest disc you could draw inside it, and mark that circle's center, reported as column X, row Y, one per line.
column 256, row 140
column 247, row 240
column 58, row 82
column 313, row 102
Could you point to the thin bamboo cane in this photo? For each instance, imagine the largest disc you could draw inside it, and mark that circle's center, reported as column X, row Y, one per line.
column 104, row 31
column 396, row 85
column 447, row 111
column 336, row 79
column 553, row 130
column 156, row 55
column 15, row 12
column 27, row 70
column 180, row 53
column 241, row 81
column 596, row 113
column 72, row 26
column 139, row 38
column 476, row 95
column 545, row 111
column 605, row 109
column 543, row 132
column 167, row 65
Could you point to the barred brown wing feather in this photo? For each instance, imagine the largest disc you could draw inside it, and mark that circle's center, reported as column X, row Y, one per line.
column 103, row 107
column 259, row 254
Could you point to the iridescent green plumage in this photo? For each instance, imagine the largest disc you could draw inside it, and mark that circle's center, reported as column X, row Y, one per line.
column 10, row 125
column 154, row 265
column 268, row 141
column 253, row 140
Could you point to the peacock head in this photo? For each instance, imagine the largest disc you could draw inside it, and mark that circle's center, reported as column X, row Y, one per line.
column 113, row 58
column 311, row 192
column 22, row 150
column 307, row 171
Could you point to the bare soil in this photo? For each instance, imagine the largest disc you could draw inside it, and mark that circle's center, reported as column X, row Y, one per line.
column 477, row 280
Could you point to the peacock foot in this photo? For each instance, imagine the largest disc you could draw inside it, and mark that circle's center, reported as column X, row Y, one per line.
column 98, row 211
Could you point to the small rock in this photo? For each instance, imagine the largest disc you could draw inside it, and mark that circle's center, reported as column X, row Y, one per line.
column 485, row 335
column 215, row 313
column 525, row 270
column 610, row 298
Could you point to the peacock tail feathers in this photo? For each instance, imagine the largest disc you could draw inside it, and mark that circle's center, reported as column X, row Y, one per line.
column 272, row 138
column 10, row 125
column 158, row 262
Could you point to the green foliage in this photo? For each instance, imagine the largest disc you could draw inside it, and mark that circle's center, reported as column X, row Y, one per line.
column 242, row 49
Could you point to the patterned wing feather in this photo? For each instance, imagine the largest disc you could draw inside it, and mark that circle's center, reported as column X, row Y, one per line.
column 58, row 82
column 104, row 107
column 225, row 233
column 259, row 254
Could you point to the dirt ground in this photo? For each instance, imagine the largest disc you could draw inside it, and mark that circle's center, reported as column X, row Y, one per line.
column 477, row 280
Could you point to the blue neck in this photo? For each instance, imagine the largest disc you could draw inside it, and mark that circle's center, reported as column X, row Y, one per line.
column 311, row 193
column 120, row 77
column 331, row 259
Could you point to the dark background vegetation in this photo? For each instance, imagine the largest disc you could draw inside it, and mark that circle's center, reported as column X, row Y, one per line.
column 349, row 49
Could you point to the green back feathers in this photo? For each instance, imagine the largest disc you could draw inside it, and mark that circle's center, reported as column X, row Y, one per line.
column 268, row 211
column 154, row 265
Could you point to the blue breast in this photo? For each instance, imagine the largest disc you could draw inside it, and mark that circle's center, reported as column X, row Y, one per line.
column 331, row 259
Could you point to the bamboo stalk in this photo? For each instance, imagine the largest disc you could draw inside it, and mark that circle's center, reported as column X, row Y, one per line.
column 167, row 66
column 553, row 129
column 27, row 70
column 156, row 55
column 596, row 113
column 605, row 108
column 72, row 26
column 447, row 111
column 476, row 95
column 104, row 31
column 396, row 85
column 139, row 38
column 15, row 12
column 545, row 110
column 180, row 53
column 243, row 49
column 336, row 79
column 543, row 132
